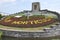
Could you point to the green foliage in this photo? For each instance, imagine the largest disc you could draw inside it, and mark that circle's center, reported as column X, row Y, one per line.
column 1, row 16
column 1, row 35
column 41, row 16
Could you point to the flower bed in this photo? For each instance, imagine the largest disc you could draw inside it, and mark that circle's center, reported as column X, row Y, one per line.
column 23, row 22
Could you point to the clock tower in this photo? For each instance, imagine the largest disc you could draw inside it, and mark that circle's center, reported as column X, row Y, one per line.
column 35, row 6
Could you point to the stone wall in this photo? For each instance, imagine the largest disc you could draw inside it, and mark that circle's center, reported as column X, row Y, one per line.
column 25, row 34
column 54, row 31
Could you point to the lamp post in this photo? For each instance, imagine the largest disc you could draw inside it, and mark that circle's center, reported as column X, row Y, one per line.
column 27, row 14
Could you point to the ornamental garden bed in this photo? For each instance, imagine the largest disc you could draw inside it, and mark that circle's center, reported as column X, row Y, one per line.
column 23, row 22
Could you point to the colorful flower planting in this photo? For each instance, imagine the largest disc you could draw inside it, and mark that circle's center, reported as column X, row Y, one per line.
column 31, row 22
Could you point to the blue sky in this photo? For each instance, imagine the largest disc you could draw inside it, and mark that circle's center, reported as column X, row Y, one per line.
column 13, row 6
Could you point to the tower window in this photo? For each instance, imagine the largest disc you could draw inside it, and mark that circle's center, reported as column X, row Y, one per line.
column 35, row 7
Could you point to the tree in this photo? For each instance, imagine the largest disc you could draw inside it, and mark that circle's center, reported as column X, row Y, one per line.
column 1, row 16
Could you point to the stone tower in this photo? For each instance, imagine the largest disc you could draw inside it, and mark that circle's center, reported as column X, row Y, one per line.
column 35, row 6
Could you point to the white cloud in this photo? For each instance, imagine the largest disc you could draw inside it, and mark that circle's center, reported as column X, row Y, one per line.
column 27, row 0
column 4, row 1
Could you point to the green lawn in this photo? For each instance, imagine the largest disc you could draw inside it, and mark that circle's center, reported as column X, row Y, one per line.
column 18, row 14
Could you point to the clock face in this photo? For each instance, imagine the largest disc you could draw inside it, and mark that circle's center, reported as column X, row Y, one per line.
column 33, row 21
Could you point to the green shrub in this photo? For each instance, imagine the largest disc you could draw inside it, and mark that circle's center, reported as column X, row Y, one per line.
column 1, row 16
